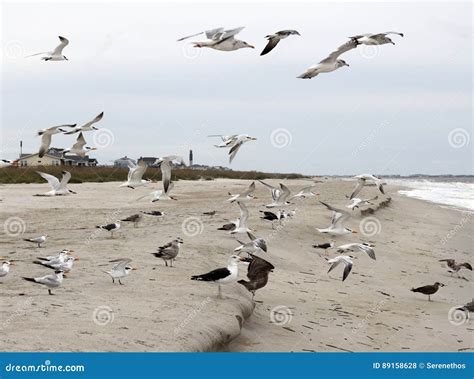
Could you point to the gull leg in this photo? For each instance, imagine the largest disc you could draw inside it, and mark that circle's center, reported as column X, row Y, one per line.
column 49, row 291
column 166, row 263
column 219, row 292
column 429, row 297
column 120, row 283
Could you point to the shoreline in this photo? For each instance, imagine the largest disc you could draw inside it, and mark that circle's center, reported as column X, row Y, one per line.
column 160, row 309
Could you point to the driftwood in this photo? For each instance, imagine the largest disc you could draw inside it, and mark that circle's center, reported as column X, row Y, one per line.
column 371, row 210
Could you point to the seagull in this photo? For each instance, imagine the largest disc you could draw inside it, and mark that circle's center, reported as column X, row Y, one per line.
column 37, row 240
column 135, row 174
column 468, row 308
column 375, row 39
column 160, row 194
column 210, row 213
column 220, row 39
column 357, row 203
column 357, row 246
column 245, row 196
column 227, row 141
column 136, row 218
column 113, row 227
column 280, row 200
column 275, row 191
column 230, row 226
column 88, row 126
column 165, row 166
column 56, row 54
column 428, row 290
column 338, row 217
column 154, row 213
column 5, row 163
column 50, row 281
column 257, row 272
column 342, row 259
column 279, row 216
column 46, row 135
column 234, row 142
column 64, row 266
column 241, row 226
column 362, row 181
column 306, row 192
column 58, row 188
column 223, row 275
column 255, row 245
column 331, row 63
column 56, row 259
column 120, row 270
column 5, row 268
column 169, row 251
column 79, row 147
column 456, row 267
column 273, row 39
column 325, row 245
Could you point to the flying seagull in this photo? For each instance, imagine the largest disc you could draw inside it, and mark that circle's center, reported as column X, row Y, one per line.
column 135, row 174
column 245, row 196
column 342, row 259
column 220, row 39
column 165, row 166
column 273, row 39
column 357, row 203
column 366, row 248
column 455, row 267
column 51, row 281
column 37, row 240
column 241, row 226
column 5, row 163
column 331, row 62
column 338, row 217
column 79, row 147
column 169, row 251
column 223, row 275
column 56, row 54
column 120, row 270
column 428, row 290
column 58, row 188
column 233, row 142
column 362, row 181
column 305, row 192
column 375, row 39
column 257, row 272
column 46, row 135
column 88, row 126
column 279, row 198
column 255, row 245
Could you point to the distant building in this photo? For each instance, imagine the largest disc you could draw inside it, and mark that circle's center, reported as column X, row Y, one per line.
column 124, row 162
column 190, row 158
column 54, row 157
column 149, row 161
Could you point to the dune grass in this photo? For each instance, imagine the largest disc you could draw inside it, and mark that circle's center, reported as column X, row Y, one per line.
column 11, row 175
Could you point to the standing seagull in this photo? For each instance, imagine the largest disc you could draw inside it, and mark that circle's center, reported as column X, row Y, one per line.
column 79, row 147
column 120, row 270
column 255, row 245
column 50, row 281
column 362, row 181
column 37, row 240
column 342, row 259
column 366, row 248
column 135, row 218
column 338, row 217
column 331, row 63
column 169, row 251
column 257, row 272
column 273, row 39
column 5, row 268
column 456, row 267
column 223, row 275
column 245, row 196
column 113, row 227
column 375, row 39
column 88, row 126
column 220, row 39
column 428, row 290
column 56, row 54
column 135, row 174
column 46, row 135
column 58, row 188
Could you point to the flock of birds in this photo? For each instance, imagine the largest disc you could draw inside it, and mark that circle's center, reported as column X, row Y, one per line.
column 248, row 252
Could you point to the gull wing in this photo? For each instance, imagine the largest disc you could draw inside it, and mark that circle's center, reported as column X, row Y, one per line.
column 249, row 190
column 285, row 193
column 80, row 142
column 45, row 143
column 272, row 42
column 233, row 151
column 120, row 264
column 230, row 33
column 244, row 215
column 65, row 179
column 347, row 269
column 96, row 119
column 258, row 267
column 136, row 173
column 349, row 45
column 367, row 249
column 52, row 180
column 358, row 187
column 59, row 49
column 165, row 174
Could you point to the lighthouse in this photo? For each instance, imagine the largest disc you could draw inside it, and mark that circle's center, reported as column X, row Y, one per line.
column 190, row 158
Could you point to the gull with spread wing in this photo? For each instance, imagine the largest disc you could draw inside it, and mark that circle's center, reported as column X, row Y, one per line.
column 58, row 188
column 220, row 39
column 56, row 54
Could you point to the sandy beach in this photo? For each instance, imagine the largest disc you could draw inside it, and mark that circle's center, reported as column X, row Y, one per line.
column 303, row 308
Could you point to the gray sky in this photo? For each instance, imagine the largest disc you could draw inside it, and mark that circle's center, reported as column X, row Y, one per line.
column 397, row 109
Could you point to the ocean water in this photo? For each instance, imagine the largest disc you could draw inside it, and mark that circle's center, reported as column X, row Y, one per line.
column 458, row 194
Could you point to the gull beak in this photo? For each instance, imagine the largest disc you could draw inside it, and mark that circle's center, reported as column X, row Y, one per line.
column 347, row 65
column 12, row 263
column 354, row 232
column 134, row 269
column 251, row 46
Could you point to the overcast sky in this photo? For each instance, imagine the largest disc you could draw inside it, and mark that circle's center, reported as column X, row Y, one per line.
column 397, row 109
